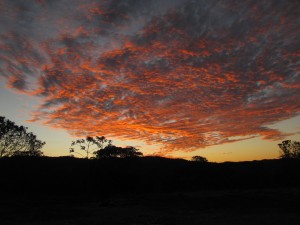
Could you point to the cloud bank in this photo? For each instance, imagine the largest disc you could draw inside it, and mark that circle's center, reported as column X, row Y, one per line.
column 186, row 74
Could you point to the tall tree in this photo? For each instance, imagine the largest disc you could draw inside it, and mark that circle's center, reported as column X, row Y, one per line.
column 89, row 145
column 16, row 141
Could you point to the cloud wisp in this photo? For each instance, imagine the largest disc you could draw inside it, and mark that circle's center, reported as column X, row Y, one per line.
column 186, row 74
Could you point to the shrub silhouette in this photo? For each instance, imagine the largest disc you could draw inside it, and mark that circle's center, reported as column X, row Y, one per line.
column 112, row 151
column 290, row 149
column 16, row 141
column 198, row 158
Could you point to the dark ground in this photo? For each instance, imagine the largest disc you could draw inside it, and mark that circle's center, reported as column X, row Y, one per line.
column 148, row 191
column 265, row 206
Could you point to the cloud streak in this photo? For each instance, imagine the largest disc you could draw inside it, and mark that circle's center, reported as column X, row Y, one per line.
column 185, row 74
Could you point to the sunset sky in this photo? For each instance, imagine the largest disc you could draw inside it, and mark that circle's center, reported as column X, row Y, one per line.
column 176, row 78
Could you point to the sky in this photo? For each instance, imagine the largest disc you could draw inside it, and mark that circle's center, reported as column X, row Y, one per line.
column 176, row 78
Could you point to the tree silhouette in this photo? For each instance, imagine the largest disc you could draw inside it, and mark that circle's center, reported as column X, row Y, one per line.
column 89, row 145
column 111, row 151
column 290, row 149
column 16, row 141
column 198, row 158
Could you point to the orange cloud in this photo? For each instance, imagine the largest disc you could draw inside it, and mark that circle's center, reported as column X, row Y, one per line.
column 199, row 76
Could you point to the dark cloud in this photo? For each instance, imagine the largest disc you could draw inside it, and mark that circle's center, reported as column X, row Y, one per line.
column 187, row 74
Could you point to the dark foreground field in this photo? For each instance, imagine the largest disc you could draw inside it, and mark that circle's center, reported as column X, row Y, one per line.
column 206, row 207
column 148, row 191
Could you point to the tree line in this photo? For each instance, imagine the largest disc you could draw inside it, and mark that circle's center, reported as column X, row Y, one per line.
column 100, row 147
column 16, row 140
